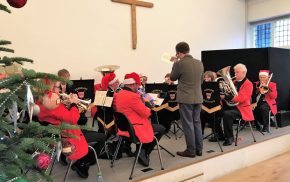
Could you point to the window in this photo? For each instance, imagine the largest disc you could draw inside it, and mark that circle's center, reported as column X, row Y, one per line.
column 272, row 33
column 262, row 35
column 282, row 32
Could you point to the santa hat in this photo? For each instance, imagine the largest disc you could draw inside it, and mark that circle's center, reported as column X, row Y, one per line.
column 264, row 73
column 132, row 78
column 108, row 79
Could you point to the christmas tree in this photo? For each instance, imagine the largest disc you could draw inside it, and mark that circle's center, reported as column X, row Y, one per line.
column 26, row 148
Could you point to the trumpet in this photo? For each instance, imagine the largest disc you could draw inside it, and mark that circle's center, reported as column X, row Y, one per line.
column 83, row 104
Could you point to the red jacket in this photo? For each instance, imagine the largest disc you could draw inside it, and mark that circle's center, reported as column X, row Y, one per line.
column 62, row 114
column 271, row 96
column 244, row 100
column 130, row 104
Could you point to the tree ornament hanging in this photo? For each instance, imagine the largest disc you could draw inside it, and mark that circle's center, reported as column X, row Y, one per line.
column 43, row 161
column 17, row 3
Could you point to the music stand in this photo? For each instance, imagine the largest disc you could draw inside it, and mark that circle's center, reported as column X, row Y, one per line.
column 86, row 85
column 160, row 89
column 211, row 104
column 173, row 108
column 104, row 114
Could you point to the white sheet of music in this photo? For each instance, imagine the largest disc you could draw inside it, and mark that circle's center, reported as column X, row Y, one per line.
column 108, row 101
column 166, row 58
column 158, row 101
column 154, row 96
column 100, row 97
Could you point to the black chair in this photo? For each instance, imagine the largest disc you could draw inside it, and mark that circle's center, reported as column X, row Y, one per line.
column 92, row 139
column 239, row 129
column 273, row 118
column 124, row 124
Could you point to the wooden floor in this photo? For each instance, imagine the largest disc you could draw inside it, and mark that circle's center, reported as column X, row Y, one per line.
column 275, row 169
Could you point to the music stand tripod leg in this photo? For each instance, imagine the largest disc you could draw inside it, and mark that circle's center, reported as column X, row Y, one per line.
column 167, row 151
column 215, row 134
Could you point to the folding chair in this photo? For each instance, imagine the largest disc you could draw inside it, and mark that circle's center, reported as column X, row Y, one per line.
column 124, row 125
column 273, row 118
column 238, row 129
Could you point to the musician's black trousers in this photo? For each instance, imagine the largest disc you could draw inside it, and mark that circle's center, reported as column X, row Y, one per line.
column 228, row 118
column 214, row 120
column 262, row 113
column 92, row 136
column 159, row 130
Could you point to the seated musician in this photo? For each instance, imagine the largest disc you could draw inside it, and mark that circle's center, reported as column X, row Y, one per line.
column 110, row 84
column 167, row 80
column 129, row 103
column 64, row 73
column 210, row 76
column 241, row 107
column 266, row 99
column 52, row 111
column 103, row 70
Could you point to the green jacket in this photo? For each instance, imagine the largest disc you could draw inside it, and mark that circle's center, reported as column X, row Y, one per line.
column 189, row 73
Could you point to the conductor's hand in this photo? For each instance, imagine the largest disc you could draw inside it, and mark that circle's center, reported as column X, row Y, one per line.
column 174, row 59
column 74, row 98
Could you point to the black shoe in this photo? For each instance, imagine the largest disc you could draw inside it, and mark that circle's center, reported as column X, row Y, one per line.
column 198, row 152
column 81, row 168
column 266, row 129
column 62, row 160
column 186, row 153
column 128, row 151
column 228, row 141
column 213, row 139
column 143, row 158
column 258, row 126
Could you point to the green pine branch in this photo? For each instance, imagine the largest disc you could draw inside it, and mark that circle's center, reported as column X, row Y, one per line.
column 4, row 8
column 5, row 42
column 3, row 49
column 7, row 61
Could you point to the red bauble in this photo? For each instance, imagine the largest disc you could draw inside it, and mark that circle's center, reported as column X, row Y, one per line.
column 17, row 3
column 43, row 161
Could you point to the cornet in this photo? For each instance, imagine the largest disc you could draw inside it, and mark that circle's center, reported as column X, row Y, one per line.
column 83, row 104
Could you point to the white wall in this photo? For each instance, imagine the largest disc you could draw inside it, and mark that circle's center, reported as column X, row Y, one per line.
column 81, row 35
column 265, row 9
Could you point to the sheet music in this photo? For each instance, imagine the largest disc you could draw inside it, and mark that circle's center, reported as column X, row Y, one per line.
column 154, row 96
column 166, row 57
column 108, row 102
column 100, row 97
column 158, row 101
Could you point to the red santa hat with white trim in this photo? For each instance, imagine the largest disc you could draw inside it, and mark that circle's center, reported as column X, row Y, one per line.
column 108, row 79
column 132, row 78
column 264, row 73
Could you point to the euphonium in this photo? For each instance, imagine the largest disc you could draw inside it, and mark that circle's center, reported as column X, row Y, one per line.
column 226, row 85
column 84, row 104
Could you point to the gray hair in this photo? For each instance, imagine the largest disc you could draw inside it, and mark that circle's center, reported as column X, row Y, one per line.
column 241, row 67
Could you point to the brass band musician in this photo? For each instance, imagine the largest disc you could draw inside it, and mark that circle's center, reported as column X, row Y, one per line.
column 266, row 99
column 242, row 109
column 212, row 118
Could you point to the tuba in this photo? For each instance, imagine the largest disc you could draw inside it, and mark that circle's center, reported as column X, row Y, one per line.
column 226, row 84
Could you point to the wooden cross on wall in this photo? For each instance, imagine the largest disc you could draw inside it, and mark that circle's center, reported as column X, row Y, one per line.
column 133, row 4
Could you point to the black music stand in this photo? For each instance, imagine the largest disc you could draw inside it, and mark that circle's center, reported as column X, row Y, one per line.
column 85, row 91
column 104, row 115
column 160, row 89
column 86, row 85
column 211, row 105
